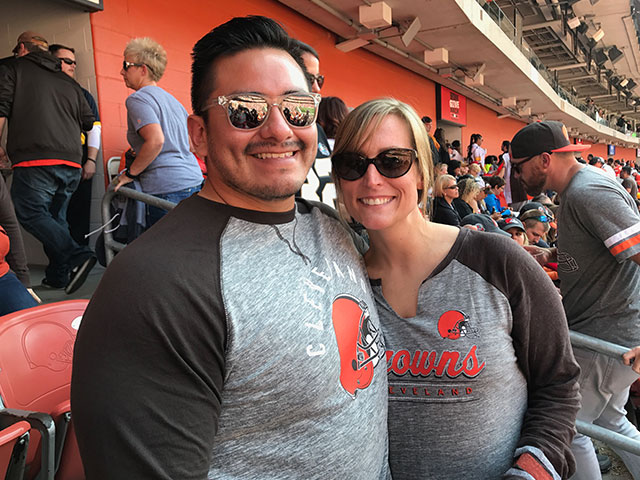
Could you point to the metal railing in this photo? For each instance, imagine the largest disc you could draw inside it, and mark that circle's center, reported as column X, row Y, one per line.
column 605, row 435
column 111, row 246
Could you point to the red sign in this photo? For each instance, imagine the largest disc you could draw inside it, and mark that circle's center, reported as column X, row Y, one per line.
column 453, row 106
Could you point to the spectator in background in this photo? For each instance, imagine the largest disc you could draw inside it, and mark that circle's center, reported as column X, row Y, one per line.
column 537, row 226
column 474, row 171
column 79, row 210
column 157, row 130
column 515, row 228
column 15, row 286
column 628, row 183
column 440, row 169
column 455, row 151
column 454, row 168
column 443, row 154
column 475, row 152
column 311, row 61
column 47, row 113
column 493, row 202
column 505, row 147
column 433, row 144
column 444, row 191
column 467, row 203
column 331, row 112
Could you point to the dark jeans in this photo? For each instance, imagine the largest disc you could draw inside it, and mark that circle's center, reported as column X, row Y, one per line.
column 41, row 196
column 13, row 295
column 79, row 212
column 154, row 213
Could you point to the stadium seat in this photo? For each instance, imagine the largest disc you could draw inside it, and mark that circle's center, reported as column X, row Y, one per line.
column 35, row 379
column 113, row 168
column 13, row 448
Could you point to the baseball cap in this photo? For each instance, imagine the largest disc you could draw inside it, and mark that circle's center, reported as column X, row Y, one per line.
column 539, row 137
column 539, row 207
column 483, row 223
column 31, row 37
column 509, row 223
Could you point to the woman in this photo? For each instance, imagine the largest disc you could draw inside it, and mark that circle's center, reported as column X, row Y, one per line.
column 481, row 371
column 157, row 130
column 445, row 191
column 331, row 112
column 466, row 203
column 495, row 198
column 476, row 154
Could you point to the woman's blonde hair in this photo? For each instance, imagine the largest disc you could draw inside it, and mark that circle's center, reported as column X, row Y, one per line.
column 359, row 124
column 469, row 188
column 441, row 181
column 146, row 50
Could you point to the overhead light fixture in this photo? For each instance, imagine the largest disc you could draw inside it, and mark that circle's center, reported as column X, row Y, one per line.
column 615, row 54
column 582, row 28
column 436, row 57
column 352, row 44
column 624, row 82
column 375, row 15
column 600, row 57
column 631, row 85
column 573, row 22
column 598, row 35
column 411, row 32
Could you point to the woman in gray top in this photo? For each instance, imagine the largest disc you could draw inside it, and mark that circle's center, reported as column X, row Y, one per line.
column 482, row 379
column 157, row 130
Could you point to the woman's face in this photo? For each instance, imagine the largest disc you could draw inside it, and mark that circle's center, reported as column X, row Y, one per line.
column 378, row 202
column 517, row 234
column 134, row 75
column 450, row 190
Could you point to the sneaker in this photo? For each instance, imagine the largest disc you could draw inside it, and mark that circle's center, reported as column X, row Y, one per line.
column 604, row 462
column 79, row 274
column 46, row 285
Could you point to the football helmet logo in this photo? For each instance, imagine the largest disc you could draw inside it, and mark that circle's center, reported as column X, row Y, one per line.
column 454, row 324
column 360, row 343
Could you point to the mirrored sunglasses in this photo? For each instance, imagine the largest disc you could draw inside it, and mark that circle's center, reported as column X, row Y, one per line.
column 392, row 163
column 126, row 65
column 248, row 111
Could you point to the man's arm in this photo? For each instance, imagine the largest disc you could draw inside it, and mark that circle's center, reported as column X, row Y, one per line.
column 541, row 341
column 148, row 369
column 4, row 158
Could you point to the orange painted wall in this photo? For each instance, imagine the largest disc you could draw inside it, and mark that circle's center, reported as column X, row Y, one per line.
column 600, row 150
column 355, row 76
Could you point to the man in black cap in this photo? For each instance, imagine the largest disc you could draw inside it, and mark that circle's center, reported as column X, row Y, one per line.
column 598, row 255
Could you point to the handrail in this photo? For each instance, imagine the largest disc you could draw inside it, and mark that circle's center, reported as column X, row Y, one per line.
column 110, row 245
column 610, row 437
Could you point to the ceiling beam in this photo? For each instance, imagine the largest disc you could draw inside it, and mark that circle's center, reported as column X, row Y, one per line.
column 535, row 26
column 567, row 67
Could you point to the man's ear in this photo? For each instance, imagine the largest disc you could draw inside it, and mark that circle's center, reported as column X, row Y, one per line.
column 197, row 135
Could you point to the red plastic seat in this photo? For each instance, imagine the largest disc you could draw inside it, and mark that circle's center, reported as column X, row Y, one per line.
column 35, row 380
column 13, row 445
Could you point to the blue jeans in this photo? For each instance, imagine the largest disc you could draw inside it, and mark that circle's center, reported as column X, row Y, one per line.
column 13, row 295
column 604, row 386
column 41, row 196
column 154, row 213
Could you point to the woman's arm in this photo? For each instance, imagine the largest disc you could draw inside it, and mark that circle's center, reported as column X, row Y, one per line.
column 151, row 148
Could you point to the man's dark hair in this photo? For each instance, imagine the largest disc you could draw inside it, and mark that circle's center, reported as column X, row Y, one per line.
column 496, row 182
column 626, row 169
column 236, row 35
column 56, row 46
column 594, row 160
column 455, row 144
column 426, row 119
column 304, row 48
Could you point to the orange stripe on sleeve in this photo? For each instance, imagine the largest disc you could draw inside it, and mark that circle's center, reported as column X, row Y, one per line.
column 621, row 247
column 529, row 464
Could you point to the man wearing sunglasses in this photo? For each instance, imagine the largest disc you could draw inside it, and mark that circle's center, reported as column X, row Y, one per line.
column 79, row 210
column 46, row 113
column 248, row 345
column 598, row 255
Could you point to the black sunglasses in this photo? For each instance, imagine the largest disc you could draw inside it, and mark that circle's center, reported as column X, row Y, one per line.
column 248, row 111
column 315, row 78
column 392, row 163
column 68, row 61
column 126, row 65
column 517, row 167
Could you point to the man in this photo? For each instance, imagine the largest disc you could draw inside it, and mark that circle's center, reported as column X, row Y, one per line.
column 628, row 182
column 598, row 254
column 247, row 345
column 79, row 210
column 47, row 113
column 435, row 146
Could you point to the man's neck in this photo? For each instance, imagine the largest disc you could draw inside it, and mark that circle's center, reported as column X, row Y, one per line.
column 223, row 194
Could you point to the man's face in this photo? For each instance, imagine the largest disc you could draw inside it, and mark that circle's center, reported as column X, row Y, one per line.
column 530, row 173
column 258, row 169
column 536, row 232
column 312, row 64
column 64, row 54
column 428, row 126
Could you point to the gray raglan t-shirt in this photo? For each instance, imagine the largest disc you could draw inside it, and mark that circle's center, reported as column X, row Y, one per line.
column 234, row 343
column 175, row 168
column 598, row 230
